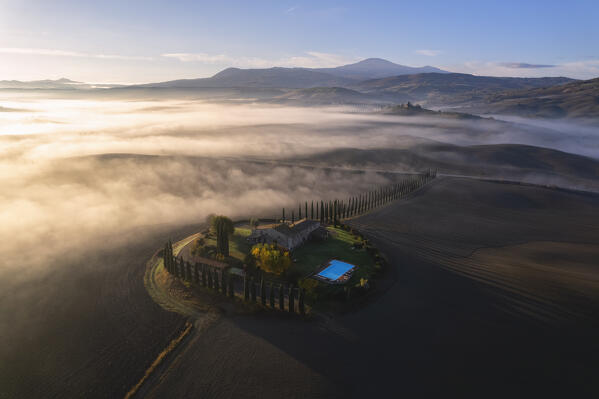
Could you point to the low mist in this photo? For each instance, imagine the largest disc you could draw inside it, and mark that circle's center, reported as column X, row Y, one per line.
column 78, row 174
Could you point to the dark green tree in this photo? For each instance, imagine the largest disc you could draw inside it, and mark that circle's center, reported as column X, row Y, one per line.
column 291, row 299
column 216, row 280
column 223, row 283
column 165, row 256
column 253, row 289
column 299, row 212
column 306, row 210
column 281, row 298
column 300, row 301
column 335, row 212
column 223, row 228
column 271, row 295
column 246, row 287
column 321, row 212
column 292, row 217
column 283, row 214
column 230, row 285
column 262, row 292
column 312, row 210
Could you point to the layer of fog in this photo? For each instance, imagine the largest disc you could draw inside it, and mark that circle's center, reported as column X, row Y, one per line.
column 60, row 194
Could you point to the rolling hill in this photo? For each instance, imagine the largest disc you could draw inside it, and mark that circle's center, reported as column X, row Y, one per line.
column 259, row 78
column 298, row 78
column 326, row 96
column 578, row 99
column 49, row 84
column 448, row 88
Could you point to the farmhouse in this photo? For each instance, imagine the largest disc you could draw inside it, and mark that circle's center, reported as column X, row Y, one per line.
column 290, row 235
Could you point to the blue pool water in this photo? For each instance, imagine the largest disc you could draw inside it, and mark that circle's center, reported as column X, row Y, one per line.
column 336, row 269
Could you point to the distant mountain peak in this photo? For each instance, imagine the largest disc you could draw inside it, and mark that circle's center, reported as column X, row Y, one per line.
column 374, row 68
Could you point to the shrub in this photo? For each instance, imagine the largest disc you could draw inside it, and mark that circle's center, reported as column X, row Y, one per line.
column 309, row 286
column 270, row 258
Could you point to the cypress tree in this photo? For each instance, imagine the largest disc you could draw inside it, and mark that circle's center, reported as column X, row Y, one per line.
column 165, row 256
column 321, row 212
column 223, row 227
column 281, row 298
column 223, row 283
column 246, row 287
column 230, row 285
column 283, row 214
column 306, row 209
column 299, row 212
column 302, row 309
column 179, row 268
column 262, row 292
column 292, row 217
column 335, row 212
column 216, row 287
column 312, row 210
column 271, row 296
column 291, row 300
column 253, row 289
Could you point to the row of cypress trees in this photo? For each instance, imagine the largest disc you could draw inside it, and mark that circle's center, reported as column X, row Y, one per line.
column 332, row 211
column 198, row 273
column 210, row 277
column 250, row 288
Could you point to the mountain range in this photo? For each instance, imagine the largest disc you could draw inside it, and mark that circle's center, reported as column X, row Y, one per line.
column 378, row 81
column 299, row 78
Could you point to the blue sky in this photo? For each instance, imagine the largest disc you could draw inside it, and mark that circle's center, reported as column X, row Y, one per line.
column 142, row 41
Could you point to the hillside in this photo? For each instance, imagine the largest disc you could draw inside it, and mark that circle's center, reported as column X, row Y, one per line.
column 578, row 99
column 448, row 88
column 509, row 161
column 47, row 84
column 416, row 110
column 269, row 77
column 279, row 77
column 326, row 96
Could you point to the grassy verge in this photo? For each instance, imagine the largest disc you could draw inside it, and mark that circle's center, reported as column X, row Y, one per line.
column 171, row 346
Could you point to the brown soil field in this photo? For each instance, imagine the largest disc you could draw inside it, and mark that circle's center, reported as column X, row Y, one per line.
column 89, row 329
column 491, row 292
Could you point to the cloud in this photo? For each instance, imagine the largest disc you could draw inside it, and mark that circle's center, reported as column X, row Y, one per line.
column 523, row 65
column 428, row 53
column 199, row 57
column 67, row 53
column 290, row 10
column 310, row 59
column 586, row 69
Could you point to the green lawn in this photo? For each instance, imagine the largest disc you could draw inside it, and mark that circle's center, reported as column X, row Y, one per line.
column 312, row 255
column 238, row 245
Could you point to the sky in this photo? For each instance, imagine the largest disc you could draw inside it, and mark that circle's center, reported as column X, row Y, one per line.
column 146, row 41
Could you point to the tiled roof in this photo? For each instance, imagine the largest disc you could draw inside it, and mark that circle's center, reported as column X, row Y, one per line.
column 297, row 227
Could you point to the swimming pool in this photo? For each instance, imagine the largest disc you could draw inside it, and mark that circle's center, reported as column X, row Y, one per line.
column 337, row 271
